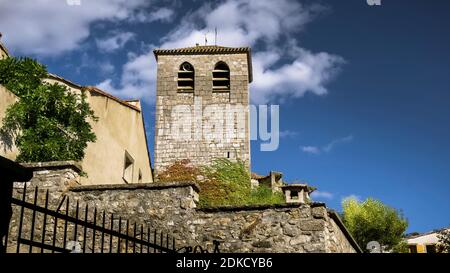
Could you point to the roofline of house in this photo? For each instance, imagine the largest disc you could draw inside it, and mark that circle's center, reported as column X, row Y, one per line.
column 103, row 93
column 425, row 233
column 94, row 89
column 66, row 81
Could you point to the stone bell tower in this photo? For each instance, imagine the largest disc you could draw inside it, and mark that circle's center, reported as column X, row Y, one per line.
column 202, row 101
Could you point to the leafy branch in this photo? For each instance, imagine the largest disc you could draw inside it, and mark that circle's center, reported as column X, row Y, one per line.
column 49, row 122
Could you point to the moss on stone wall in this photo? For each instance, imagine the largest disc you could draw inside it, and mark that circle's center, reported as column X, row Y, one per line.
column 224, row 182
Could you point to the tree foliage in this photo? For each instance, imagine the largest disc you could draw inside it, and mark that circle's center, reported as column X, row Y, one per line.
column 48, row 122
column 444, row 240
column 372, row 220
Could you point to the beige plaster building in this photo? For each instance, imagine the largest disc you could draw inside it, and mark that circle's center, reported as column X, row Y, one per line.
column 202, row 104
column 425, row 242
column 120, row 153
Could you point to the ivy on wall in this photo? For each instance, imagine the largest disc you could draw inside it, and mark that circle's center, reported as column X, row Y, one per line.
column 222, row 183
column 48, row 122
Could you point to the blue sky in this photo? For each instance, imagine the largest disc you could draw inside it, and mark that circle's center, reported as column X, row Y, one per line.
column 363, row 90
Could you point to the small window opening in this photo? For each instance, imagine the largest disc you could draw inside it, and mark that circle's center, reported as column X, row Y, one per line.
column 221, row 78
column 128, row 168
column 186, row 76
column 431, row 248
column 294, row 195
column 140, row 176
column 412, row 248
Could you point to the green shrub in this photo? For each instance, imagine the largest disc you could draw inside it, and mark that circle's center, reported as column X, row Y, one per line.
column 229, row 183
column 180, row 171
column 222, row 183
column 264, row 195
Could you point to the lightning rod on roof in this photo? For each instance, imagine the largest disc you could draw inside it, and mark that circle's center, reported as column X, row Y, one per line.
column 215, row 36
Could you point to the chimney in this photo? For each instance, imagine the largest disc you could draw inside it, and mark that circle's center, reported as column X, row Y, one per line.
column 297, row 193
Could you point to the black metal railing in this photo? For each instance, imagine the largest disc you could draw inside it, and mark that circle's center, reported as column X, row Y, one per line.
column 70, row 228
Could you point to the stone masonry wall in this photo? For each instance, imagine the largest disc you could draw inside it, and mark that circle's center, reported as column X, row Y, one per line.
column 57, row 178
column 171, row 208
column 336, row 241
column 200, row 148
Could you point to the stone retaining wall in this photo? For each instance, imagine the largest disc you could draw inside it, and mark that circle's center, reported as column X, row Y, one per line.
column 172, row 208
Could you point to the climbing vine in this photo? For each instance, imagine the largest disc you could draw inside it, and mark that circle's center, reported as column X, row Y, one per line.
column 48, row 122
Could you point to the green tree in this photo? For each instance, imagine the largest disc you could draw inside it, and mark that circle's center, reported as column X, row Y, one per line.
column 372, row 220
column 48, row 122
column 444, row 240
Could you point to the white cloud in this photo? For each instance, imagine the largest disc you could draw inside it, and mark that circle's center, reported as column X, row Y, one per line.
column 328, row 147
column 322, row 195
column 309, row 72
column 115, row 41
column 50, row 27
column 288, row 134
column 139, row 74
column 335, row 142
column 162, row 14
column 352, row 196
column 311, row 149
column 242, row 22
column 268, row 24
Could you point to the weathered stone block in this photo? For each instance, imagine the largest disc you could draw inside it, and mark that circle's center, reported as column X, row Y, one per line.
column 319, row 212
column 262, row 244
column 312, row 225
column 290, row 230
column 301, row 239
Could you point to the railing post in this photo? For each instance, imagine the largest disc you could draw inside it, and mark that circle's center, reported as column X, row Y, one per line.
column 93, row 230
column 19, row 233
column 10, row 172
column 45, row 221
column 33, row 218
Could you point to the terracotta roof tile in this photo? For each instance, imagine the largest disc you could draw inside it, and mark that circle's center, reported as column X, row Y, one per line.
column 202, row 49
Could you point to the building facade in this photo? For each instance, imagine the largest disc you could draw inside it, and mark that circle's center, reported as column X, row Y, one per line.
column 425, row 242
column 202, row 104
column 120, row 153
